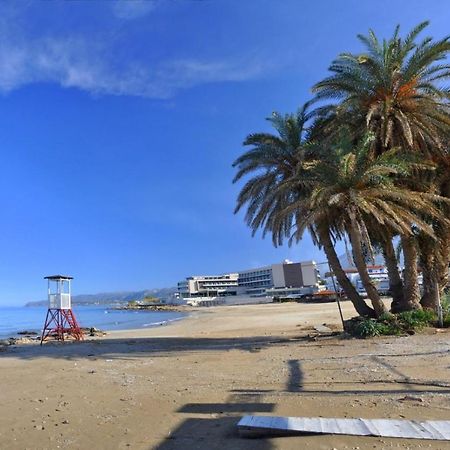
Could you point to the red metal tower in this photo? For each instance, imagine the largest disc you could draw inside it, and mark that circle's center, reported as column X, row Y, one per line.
column 60, row 322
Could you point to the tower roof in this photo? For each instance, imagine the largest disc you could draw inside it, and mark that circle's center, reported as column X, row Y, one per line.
column 58, row 277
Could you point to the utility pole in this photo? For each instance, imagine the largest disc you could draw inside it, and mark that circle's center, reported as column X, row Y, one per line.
column 338, row 295
column 439, row 307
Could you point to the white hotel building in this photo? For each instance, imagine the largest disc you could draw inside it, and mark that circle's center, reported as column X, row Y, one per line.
column 277, row 279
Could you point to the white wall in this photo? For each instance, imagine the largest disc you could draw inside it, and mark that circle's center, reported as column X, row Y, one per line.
column 278, row 275
column 309, row 273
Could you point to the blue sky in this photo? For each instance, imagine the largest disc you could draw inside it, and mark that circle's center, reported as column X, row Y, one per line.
column 120, row 121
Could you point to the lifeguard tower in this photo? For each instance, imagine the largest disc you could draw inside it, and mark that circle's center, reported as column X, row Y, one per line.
column 60, row 321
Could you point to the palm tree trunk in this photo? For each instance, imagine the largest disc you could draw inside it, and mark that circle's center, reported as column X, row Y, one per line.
column 411, row 284
column 430, row 295
column 358, row 302
column 360, row 263
column 395, row 280
column 442, row 259
column 427, row 259
column 435, row 263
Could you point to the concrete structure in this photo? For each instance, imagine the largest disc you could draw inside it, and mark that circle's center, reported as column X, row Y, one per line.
column 378, row 274
column 258, row 282
column 209, row 286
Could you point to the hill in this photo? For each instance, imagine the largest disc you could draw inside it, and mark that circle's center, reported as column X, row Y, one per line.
column 106, row 298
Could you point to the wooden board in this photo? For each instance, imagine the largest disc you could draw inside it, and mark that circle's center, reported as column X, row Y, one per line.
column 254, row 426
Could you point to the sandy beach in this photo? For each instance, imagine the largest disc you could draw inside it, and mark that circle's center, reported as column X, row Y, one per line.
column 185, row 386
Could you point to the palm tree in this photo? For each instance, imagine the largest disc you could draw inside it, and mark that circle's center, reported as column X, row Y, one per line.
column 351, row 192
column 273, row 160
column 434, row 256
column 394, row 90
column 383, row 238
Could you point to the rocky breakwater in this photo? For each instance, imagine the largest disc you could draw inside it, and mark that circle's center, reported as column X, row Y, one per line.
column 30, row 337
column 157, row 307
column 5, row 343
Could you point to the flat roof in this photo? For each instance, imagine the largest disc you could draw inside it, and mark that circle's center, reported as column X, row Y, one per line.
column 58, row 277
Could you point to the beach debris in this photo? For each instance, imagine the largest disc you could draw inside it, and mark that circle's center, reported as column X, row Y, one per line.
column 258, row 426
column 15, row 341
column 410, row 398
column 93, row 331
column 323, row 329
column 24, row 340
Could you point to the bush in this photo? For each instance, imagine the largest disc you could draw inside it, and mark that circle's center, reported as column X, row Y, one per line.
column 446, row 321
column 367, row 328
column 445, row 303
column 417, row 319
column 392, row 324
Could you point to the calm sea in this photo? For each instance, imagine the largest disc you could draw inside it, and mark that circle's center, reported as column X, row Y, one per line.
column 14, row 319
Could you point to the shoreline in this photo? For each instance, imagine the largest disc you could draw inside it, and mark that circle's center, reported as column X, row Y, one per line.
column 223, row 320
column 35, row 331
column 204, row 321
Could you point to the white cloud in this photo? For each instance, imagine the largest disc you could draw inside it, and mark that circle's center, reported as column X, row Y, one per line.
column 187, row 72
column 94, row 63
column 133, row 9
column 75, row 63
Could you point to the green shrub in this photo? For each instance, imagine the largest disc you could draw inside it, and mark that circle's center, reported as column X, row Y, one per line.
column 387, row 318
column 445, row 303
column 368, row 328
column 392, row 324
column 417, row 319
column 392, row 329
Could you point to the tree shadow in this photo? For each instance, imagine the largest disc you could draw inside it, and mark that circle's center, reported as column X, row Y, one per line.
column 343, row 392
column 218, row 430
column 392, row 369
column 129, row 348
column 295, row 380
column 228, row 408
column 211, row 434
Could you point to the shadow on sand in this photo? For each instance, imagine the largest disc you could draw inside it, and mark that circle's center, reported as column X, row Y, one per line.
column 217, row 429
column 210, row 426
column 129, row 348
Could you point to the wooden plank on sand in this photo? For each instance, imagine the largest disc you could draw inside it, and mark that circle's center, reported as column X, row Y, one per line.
column 258, row 426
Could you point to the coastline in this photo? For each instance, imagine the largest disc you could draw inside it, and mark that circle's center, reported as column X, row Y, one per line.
column 245, row 321
column 98, row 317
column 187, row 384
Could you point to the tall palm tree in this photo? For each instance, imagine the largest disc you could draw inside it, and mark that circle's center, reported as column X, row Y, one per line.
column 435, row 256
column 271, row 161
column 351, row 192
column 393, row 89
column 383, row 237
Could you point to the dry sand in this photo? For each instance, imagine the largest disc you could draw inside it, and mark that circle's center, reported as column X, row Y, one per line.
column 186, row 385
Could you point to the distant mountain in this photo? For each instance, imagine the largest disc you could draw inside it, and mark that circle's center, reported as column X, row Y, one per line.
column 106, row 298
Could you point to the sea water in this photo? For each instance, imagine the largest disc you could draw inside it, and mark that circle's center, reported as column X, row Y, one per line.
column 15, row 319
